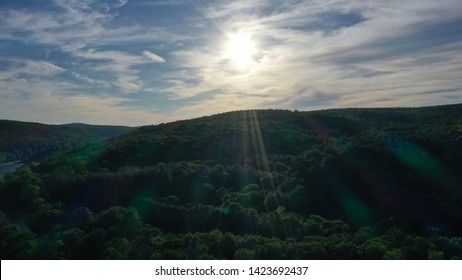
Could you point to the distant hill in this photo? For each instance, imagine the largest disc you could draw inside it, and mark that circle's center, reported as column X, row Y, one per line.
column 24, row 141
column 259, row 184
column 104, row 131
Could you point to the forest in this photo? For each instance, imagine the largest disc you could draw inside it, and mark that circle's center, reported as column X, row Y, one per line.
column 26, row 141
column 383, row 183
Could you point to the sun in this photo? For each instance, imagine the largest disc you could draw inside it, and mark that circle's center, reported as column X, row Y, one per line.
column 240, row 49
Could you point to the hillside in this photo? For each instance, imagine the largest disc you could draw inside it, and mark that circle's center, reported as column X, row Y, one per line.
column 241, row 136
column 103, row 131
column 332, row 184
column 25, row 141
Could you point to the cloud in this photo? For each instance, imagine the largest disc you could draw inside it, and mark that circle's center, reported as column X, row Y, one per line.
column 153, row 57
column 60, row 24
column 89, row 80
column 453, row 90
column 411, row 39
column 118, row 57
column 17, row 67
column 163, row 2
column 333, row 20
column 316, row 99
column 120, row 3
column 122, row 65
column 41, row 68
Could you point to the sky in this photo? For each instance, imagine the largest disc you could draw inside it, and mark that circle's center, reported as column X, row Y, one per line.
column 138, row 62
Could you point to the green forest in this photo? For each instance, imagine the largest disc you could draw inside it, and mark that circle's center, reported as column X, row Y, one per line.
column 382, row 183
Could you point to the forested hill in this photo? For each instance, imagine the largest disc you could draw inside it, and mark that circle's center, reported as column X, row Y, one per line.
column 103, row 131
column 24, row 141
column 263, row 184
column 246, row 135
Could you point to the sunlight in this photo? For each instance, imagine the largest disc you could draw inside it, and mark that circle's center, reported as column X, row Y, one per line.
column 240, row 49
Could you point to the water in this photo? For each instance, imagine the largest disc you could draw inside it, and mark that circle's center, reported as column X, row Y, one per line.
column 5, row 169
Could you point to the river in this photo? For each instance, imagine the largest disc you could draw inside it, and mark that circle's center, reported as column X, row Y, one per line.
column 7, row 168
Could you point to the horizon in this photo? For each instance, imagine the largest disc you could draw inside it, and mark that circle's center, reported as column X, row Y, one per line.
column 138, row 62
column 244, row 110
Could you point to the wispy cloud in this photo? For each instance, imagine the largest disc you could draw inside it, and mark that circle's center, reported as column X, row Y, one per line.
column 89, row 80
column 163, row 2
column 41, row 68
column 17, row 67
column 121, row 65
column 154, row 57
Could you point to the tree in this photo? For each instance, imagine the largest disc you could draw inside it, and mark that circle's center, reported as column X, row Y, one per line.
column 16, row 243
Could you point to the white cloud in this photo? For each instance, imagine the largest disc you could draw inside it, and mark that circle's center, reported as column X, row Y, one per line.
column 121, row 65
column 41, row 68
column 89, row 80
column 129, row 83
column 153, row 57
column 36, row 68
column 121, row 3
column 117, row 57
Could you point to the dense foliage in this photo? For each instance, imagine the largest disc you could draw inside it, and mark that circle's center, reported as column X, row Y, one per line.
column 272, row 184
column 25, row 141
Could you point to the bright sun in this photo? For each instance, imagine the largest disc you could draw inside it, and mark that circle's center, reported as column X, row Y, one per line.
column 240, row 49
